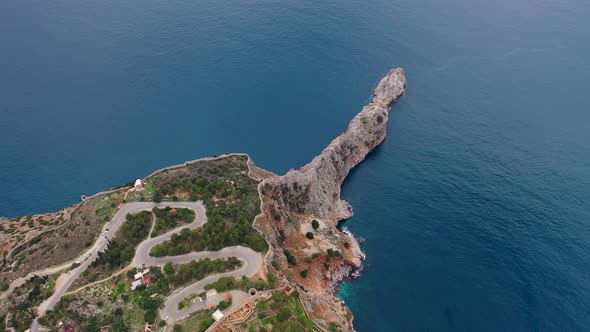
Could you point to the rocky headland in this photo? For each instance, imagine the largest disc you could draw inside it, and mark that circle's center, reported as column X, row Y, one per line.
column 291, row 204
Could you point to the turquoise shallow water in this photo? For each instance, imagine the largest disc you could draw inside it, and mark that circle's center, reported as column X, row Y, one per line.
column 474, row 208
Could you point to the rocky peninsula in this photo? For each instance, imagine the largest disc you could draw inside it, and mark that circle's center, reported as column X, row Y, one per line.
column 292, row 202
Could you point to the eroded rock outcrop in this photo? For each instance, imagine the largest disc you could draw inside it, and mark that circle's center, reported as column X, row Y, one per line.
column 291, row 202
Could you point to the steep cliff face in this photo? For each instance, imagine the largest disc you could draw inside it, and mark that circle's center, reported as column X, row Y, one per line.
column 291, row 202
column 316, row 186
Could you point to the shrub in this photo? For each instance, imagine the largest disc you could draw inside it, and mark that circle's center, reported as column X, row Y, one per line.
column 272, row 280
column 158, row 198
column 309, row 235
column 168, row 268
column 304, row 273
column 284, row 314
column 315, row 224
column 334, row 327
column 276, row 265
column 223, row 304
column 290, row 258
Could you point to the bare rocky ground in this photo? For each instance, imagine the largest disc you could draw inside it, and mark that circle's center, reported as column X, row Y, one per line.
column 68, row 233
column 19, row 230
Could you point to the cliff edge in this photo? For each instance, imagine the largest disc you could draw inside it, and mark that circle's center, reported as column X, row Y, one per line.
column 301, row 209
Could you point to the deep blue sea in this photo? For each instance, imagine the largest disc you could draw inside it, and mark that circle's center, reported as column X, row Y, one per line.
column 476, row 208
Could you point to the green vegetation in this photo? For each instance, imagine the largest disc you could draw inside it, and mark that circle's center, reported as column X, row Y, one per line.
column 283, row 312
column 222, row 305
column 121, row 251
column 290, row 258
column 330, row 252
column 315, row 224
column 228, row 283
column 168, row 218
column 196, row 270
column 26, row 298
column 309, row 235
column 119, row 307
column 304, row 273
column 2, row 321
column 334, row 327
column 215, row 235
column 196, row 323
column 104, row 207
column 231, row 199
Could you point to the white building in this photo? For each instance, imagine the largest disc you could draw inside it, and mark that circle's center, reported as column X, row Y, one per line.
column 135, row 284
column 217, row 315
column 138, row 185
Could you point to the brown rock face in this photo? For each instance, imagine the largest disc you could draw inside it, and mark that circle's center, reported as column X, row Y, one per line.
column 291, row 201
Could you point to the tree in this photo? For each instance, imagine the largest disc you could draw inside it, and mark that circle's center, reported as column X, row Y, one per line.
column 315, row 224
column 169, row 268
column 330, row 252
column 284, row 314
column 290, row 258
column 304, row 273
column 334, row 327
column 157, row 196
column 309, row 235
column 272, row 280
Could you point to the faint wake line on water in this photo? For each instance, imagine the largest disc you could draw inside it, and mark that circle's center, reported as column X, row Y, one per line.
column 459, row 58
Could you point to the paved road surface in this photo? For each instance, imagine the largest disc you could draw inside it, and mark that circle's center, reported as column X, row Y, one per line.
column 172, row 314
column 252, row 261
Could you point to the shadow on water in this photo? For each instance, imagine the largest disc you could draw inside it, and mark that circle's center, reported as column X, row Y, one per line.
column 373, row 155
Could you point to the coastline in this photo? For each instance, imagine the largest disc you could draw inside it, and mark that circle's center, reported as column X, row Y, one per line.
column 289, row 203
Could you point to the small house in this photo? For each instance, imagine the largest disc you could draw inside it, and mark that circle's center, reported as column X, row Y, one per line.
column 138, row 185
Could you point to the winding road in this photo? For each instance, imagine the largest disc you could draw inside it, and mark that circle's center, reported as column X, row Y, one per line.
column 251, row 260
